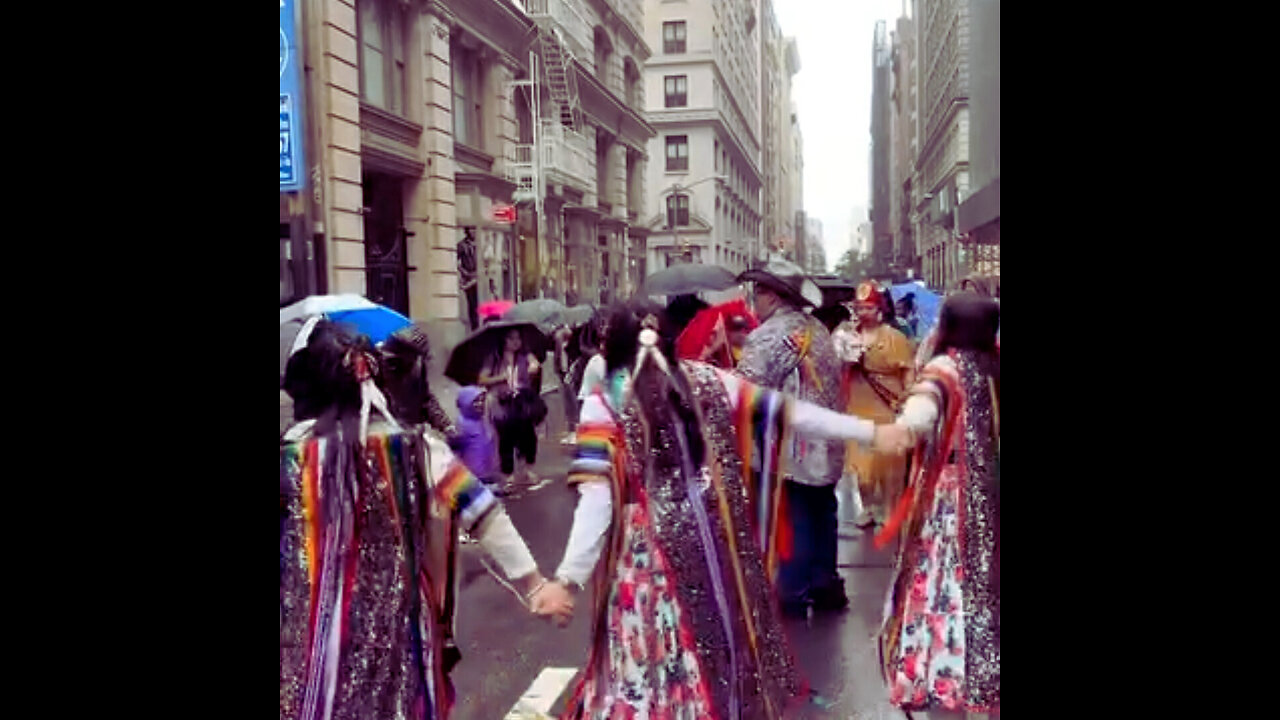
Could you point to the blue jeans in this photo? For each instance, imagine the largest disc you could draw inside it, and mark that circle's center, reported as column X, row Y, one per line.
column 810, row 575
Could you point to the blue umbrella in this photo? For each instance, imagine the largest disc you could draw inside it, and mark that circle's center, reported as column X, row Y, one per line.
column 376, row 322
column 927, row 303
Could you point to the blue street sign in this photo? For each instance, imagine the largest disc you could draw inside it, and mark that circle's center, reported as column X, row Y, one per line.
column 292, row 167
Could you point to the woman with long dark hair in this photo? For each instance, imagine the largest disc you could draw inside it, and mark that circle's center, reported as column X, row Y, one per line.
column 513, row 379
column 686, row 623
column 941, row 637
column 369, row 515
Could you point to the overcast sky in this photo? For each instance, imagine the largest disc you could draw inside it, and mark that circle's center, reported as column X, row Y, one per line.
column 832, row 93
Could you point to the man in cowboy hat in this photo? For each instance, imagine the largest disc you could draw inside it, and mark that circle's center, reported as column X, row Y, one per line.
column 791, row 351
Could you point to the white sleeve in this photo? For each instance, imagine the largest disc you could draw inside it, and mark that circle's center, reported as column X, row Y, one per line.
column 592, row 376
column 591, row 522
column 919, row 413
column 818, row 422
column 502, row 542
column 807, row 418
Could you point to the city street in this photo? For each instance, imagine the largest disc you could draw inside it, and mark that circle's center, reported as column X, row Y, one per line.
column 512, row 660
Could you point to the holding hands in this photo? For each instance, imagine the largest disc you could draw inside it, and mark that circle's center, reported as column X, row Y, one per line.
column 553, row 601
column 893, row 439
column 549, row 599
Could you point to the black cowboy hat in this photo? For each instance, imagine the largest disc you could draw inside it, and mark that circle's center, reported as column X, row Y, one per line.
column 787, row 280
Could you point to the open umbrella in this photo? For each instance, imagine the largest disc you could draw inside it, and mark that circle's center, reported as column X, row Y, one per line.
column 493, row 308
column 543, row 312
column 579, row 314
column 469, row 357
column 687, row 279
column 368, row 318
column 927, row 304
column 322, row 304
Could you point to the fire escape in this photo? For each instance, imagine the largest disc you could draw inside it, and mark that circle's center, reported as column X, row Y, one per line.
column 551, row 65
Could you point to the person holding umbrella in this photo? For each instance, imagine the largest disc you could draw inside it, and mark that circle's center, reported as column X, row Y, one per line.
column 513, row 378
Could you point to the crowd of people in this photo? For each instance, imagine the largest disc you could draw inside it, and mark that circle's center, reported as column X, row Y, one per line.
column 714, row 447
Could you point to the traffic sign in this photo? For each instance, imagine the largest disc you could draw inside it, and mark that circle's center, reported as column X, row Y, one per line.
column 504, row 214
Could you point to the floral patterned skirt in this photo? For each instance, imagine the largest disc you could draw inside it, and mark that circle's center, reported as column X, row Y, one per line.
column 649, row 671
column 924, row 635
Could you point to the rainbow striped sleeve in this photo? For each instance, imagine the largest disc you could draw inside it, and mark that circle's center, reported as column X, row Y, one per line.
column 597, row 453
column 762, row 416
column 465, row 495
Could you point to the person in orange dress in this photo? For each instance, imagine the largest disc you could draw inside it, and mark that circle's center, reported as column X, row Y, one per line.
column 878, row 368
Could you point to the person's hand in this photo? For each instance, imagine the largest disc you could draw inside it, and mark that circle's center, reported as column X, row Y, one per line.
column 553, row 601
column 892, row 439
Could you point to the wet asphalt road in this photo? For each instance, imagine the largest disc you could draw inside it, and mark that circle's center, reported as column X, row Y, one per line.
column 504, row 648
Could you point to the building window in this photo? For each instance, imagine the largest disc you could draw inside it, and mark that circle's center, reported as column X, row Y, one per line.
column 467, row 98
column 677, row 152
column 603, row 54
column 677, row 210
column 677, row 90
column 381, row 44
column 673, row 37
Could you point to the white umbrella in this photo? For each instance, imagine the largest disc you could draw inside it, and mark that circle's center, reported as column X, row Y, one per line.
column 322, row 304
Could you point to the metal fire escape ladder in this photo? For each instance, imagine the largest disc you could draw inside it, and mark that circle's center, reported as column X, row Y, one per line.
column 561, row 78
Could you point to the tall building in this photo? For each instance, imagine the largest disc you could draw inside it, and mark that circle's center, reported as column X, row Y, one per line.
column 423, row 118
column 942, row 163
column 881, row 141
column 703, row 99
column 781, row 160
column 408, row 115
column 903, row 148
column 814, row 258
column 978, row 216
column 589, row 175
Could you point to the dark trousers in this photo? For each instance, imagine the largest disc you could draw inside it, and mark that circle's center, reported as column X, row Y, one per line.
column 810, row 575
column 513, row 437
column 570, row 396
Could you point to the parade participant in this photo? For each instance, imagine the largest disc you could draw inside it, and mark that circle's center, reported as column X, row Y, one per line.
column 513, row 379
column 792, row 352
column 685, row 622
column 710, row 337
column 941, row 637
column 594, row 369
column 876, row 374
column 369, row 517
column 406, row 358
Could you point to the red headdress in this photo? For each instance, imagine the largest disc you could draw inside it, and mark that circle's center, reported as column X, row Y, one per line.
column 706, row 333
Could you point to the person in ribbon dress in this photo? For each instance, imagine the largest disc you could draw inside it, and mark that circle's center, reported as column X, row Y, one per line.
column 370, row 514
column 940, row 641
column 681, row 551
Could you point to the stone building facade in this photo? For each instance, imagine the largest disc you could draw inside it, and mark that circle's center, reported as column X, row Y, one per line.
column 703, row 98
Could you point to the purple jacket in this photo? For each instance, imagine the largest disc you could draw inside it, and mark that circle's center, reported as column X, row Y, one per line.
column 476, row 444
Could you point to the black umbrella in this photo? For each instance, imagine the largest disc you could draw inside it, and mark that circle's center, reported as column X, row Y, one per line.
column 688, row 278
column 469, row 357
